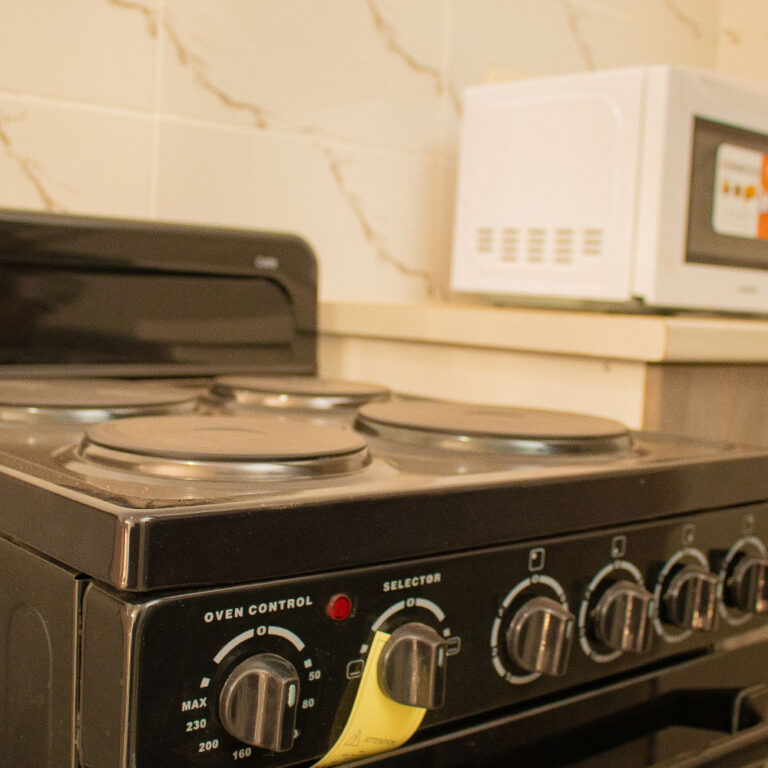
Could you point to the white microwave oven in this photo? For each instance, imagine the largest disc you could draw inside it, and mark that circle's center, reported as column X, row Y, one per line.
column 643, row 185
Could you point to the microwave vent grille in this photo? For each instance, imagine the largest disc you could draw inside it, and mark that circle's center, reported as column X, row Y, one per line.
column 536, row 245
column 540, row 246
column 510, row 244
column 484, row 240
column 592, row 242
column 563, row 246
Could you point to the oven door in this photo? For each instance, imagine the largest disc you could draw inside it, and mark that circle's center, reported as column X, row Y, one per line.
column 710, row 711
column 39, row 608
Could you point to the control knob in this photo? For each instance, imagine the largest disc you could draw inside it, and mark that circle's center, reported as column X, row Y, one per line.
column 747, row 585
column 412, row 666
column 539, row 636
column 690, row 599
column 257, row 704
column 622, row 617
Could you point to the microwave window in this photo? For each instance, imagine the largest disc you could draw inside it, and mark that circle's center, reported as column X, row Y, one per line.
column 728, row 214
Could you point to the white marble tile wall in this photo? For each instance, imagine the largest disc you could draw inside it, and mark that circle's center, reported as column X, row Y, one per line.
column 744, row 37
column 333, row 118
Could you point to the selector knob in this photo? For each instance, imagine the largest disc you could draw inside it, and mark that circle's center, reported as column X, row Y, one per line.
column 257, row 704
column 412, row 666
column 690, row 599
column 539, row 636
column 747, row 586
column 622, row 617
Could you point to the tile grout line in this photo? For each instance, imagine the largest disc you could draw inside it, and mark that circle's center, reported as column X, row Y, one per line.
column 154, row 159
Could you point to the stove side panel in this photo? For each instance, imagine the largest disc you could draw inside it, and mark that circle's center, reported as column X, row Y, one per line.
column 39, row 608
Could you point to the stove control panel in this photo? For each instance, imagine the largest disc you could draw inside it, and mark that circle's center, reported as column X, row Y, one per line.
column 273, row 673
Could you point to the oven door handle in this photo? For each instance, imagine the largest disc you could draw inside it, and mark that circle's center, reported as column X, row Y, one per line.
column 715, row 709
column 736, row 719
column 750, row 708
column 740, row 714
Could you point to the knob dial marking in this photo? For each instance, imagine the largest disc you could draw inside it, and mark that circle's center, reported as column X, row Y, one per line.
column 259, row 698
column 514, row 677
column 401, row 605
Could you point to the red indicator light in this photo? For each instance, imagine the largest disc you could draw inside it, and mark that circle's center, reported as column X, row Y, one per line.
column 339, row 607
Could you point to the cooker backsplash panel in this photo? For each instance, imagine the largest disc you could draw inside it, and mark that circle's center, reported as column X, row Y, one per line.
column 334, row 119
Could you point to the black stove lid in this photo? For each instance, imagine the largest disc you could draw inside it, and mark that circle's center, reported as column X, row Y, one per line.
column 104, row 297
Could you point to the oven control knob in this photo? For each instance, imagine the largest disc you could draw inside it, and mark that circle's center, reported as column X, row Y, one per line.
column 747, row 585
column 622, row 617
column 539, row 636
column 690, row 599
column 258, row 702
column 412, row 666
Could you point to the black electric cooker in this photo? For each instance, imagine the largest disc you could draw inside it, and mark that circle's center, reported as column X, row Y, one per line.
column 202, row 541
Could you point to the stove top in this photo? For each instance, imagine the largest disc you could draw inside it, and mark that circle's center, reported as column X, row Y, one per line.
column 184, row 438
column 150, row 485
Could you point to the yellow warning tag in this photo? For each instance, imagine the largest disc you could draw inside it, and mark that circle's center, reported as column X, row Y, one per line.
column 376, row 723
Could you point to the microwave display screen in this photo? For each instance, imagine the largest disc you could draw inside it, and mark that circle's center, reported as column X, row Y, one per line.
column 740, row 203
column 728, row 218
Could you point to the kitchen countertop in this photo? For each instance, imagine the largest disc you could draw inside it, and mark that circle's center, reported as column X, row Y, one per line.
column 683, row 338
